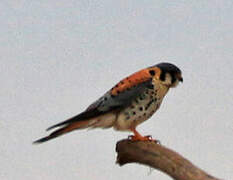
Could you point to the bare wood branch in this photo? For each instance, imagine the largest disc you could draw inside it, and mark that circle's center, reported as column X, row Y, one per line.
column 159, row 157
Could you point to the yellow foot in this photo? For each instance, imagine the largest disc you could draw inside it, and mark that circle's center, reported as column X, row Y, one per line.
column 143, row 138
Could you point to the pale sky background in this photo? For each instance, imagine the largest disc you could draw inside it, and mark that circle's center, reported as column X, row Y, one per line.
column 57, row 57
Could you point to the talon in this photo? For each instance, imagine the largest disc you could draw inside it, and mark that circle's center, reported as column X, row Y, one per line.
column 149, row 137
column 130, row 137
column 139, row 137
column 155, row 140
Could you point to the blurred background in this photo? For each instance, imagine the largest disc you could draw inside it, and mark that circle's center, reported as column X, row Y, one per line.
column 57, row 57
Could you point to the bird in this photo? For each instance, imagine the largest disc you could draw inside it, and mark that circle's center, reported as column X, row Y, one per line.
column 129, row 103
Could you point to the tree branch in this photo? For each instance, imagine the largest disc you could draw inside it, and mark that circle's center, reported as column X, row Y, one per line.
column 159, row 157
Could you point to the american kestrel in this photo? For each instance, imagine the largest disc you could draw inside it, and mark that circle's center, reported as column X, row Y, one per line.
column 129, row 103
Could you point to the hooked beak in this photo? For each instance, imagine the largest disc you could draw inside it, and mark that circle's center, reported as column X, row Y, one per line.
column 181, row 79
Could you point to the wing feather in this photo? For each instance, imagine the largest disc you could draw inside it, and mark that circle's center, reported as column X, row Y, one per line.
column 109, row 102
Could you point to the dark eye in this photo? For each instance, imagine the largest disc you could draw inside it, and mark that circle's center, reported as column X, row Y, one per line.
column 162, row 76
column 173, row 79
column 152, row 72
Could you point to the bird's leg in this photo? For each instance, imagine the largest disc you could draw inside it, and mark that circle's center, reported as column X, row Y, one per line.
column 138, row 137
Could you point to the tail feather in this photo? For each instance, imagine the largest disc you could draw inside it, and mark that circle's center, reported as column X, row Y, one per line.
column 86, row 115
column 87, row 119
column 70, row 127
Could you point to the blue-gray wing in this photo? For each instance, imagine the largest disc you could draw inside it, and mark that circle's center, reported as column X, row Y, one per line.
column 109, row 102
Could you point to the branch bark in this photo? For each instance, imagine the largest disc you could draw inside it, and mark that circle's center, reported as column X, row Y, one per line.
column 159, row 157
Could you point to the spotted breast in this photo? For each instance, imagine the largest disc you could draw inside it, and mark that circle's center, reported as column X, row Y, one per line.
column 130, row 102
column 141, row 108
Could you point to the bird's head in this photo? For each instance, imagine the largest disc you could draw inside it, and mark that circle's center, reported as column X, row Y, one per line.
column 169, row 74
